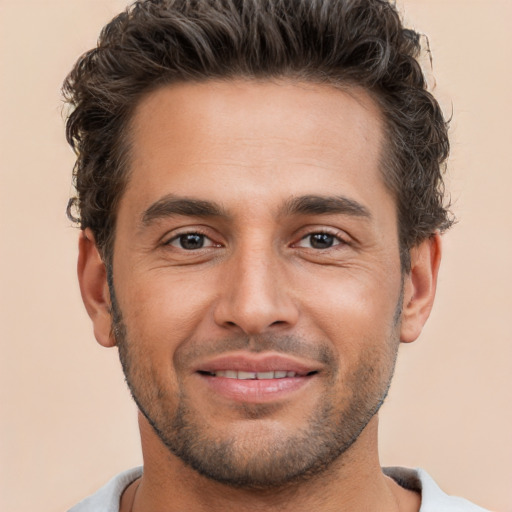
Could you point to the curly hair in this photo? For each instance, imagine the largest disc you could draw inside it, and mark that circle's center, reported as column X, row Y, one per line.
column 337, row 42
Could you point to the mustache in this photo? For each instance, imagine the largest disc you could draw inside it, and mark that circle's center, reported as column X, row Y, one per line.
column 193, row 350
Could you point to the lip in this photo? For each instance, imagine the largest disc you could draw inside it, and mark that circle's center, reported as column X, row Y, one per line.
column 257, row 390
column 268, row 362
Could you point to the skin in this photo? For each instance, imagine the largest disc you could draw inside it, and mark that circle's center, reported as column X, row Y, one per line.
column 248, row 148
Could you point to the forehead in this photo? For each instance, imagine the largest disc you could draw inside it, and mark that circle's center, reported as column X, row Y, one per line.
column 253, row 139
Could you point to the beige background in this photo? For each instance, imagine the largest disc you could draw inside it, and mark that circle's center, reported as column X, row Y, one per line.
column 67, row 422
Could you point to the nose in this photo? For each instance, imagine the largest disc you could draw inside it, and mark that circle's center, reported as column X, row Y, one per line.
column 255, row 294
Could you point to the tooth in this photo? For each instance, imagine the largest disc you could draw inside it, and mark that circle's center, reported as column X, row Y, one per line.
column 246, row 375
column 233, row 374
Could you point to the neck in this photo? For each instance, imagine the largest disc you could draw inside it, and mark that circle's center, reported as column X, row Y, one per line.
column 354, row 483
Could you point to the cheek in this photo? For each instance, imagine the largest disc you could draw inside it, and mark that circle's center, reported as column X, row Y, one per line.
column 354, row 310
column 161, row 310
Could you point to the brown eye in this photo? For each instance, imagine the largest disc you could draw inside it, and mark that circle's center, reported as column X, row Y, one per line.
column 191, row 241
column 320, row 241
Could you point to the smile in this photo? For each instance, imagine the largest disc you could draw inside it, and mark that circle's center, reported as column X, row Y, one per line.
column 257, row 378
column 243, row 375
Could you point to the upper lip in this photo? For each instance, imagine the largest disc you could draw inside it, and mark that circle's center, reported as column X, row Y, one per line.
column 250, row 362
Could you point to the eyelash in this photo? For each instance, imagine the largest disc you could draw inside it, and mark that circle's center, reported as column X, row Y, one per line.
column 337, row 240
column 204, row 237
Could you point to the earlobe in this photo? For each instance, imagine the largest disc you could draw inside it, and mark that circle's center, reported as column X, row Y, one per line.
column 420, row 287
column 92, row 277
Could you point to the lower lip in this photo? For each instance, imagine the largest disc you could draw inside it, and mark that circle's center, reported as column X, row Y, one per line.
column 256, row 390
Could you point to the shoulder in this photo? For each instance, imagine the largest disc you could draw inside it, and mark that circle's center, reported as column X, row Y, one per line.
column 433, row 499
column 107, row 498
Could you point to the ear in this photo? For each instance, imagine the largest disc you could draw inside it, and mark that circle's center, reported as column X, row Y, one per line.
column 92, row 276
column 420, row 287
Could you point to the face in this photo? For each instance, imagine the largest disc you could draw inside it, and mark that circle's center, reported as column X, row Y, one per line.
column 256, row 275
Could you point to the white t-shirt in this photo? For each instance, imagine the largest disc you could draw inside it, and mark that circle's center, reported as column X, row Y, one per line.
column 433, row 499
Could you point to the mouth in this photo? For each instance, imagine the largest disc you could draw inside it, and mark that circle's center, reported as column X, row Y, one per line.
column 265, row 375
column 256, row 378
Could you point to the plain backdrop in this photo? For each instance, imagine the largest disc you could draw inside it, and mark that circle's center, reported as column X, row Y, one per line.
column 67, row 421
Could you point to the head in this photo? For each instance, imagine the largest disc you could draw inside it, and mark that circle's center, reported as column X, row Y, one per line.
column 241, row 233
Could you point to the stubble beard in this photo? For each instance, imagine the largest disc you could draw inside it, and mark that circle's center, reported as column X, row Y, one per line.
column 279, row 460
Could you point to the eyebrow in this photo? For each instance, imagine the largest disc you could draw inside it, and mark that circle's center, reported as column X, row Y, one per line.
column 170, row 205
column 322, row 205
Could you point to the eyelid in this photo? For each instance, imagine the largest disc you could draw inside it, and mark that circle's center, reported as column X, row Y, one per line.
column 340, row 235
column 337, row 241
column 188, row 230
column 208, row 242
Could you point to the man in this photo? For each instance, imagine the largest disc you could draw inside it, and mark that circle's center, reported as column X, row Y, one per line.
column 259, row 187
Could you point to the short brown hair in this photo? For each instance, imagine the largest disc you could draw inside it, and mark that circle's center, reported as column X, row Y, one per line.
column 348, row 42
